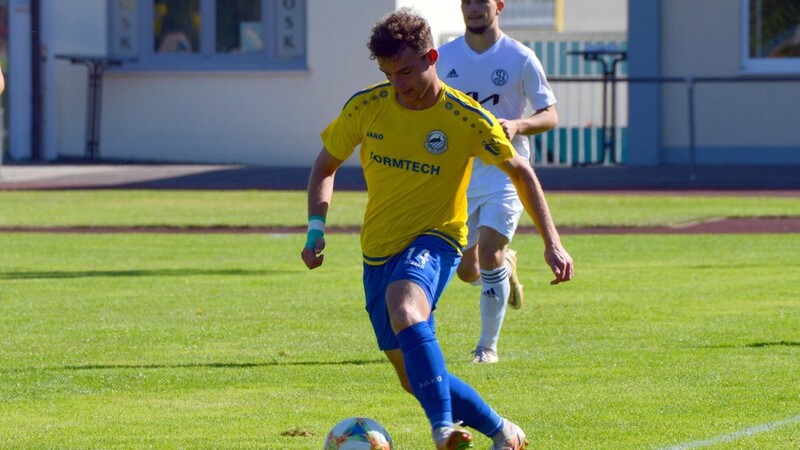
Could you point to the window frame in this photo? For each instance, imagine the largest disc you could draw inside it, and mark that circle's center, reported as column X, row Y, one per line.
column 762, row 66
column 207, row 58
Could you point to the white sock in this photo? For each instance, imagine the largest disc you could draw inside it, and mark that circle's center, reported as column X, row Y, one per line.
column 494, row 297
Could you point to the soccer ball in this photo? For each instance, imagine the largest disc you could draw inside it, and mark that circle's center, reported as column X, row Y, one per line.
column 358, row 433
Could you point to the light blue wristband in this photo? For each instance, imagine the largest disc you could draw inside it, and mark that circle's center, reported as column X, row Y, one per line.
column 311, row 238
column 316, row 230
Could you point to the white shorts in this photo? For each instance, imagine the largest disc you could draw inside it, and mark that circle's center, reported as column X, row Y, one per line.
column 499, row 211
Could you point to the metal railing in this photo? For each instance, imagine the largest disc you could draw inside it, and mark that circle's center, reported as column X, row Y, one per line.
column 690, row 83
column 593, row 102
column 592, row 110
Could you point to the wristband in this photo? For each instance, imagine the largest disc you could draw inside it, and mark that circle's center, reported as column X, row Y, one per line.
column 316, row 223
column 316, row 230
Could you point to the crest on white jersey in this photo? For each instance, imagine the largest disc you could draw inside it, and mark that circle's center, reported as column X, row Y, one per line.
column 499, row 77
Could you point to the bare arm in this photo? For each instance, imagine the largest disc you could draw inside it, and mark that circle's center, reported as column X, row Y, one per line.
column 532, row 197
column 320, row 192
column 540, row 121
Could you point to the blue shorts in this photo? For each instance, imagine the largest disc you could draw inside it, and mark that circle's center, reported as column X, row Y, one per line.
column 428, row 261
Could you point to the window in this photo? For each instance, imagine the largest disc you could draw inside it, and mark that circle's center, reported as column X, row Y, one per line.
column 208, row 34
column 771, row 36
column 239, row 27
column 176, row 26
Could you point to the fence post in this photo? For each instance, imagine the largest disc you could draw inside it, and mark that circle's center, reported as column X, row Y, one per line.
column 692, row 149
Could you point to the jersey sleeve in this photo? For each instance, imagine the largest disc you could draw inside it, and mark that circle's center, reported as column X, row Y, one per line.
column 492, row 146
column 341, row 136
column 535, row 84
column 496, row 148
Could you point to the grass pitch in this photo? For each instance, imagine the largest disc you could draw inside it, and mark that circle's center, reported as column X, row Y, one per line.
column 287, row 208
column 227, row 341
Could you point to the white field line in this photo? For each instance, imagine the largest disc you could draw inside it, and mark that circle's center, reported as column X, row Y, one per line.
column 729, row 437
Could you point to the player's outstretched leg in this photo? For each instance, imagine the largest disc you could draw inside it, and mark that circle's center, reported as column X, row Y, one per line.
column 430, row 382
column 515, row 297
column 471, row 410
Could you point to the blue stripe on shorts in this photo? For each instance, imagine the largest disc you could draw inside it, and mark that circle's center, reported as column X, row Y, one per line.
column 428, row 261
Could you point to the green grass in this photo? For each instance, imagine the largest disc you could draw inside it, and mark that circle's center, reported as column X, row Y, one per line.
column 226, row 341
column 274, row 208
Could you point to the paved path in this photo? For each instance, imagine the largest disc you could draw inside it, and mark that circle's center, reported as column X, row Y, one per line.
column 779, row 180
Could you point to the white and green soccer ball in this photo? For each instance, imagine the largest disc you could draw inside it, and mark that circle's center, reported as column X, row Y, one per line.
column 358, row 433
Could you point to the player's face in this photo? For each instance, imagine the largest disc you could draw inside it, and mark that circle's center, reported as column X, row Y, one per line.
column 413, row 77
column 480, row 15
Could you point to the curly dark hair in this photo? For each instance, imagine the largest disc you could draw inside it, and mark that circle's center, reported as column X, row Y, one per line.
column 397, row 31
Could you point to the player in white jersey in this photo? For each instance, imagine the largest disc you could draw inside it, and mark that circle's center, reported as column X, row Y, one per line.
column 507, row 78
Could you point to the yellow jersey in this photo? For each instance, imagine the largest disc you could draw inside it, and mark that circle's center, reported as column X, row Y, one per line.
column 417, row 164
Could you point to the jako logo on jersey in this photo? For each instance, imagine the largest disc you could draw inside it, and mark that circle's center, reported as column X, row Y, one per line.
column 499, row 77
column 489, row 146
column 436, row 142
column 377, row 136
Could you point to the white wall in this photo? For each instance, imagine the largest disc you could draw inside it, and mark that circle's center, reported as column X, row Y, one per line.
column 444, row 16
column 727, row 114
column 580, row 16
column 249, row 117
column 262, row 118
column 593, row 16
column 69, row 28
column 74, row 27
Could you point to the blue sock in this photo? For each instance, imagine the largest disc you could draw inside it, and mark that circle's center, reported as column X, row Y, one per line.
column 470, row 408
column 427, row 373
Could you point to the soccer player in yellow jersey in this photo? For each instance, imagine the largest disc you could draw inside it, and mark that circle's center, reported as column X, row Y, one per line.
column 417, row 140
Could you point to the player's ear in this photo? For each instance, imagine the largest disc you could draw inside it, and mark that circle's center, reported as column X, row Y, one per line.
column 501, row 5
column 433, row 56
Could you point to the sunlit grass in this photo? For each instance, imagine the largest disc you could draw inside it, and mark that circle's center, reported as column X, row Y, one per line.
column 287, row 208
column 227, row 341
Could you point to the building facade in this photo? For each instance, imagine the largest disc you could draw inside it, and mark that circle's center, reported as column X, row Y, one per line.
column 255, row 81
column 260, row 93
column 718, row 82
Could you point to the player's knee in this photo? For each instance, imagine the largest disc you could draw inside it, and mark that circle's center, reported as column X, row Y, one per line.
column 490, row 258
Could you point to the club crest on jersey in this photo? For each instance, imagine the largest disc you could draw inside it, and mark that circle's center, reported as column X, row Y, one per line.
column 499, row 77
column 436, row 142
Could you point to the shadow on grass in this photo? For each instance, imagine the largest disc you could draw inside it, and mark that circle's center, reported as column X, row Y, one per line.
column 766, row 344
column 774, row 344
column 128, row 273
column 214, row 365
column 211, row 365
